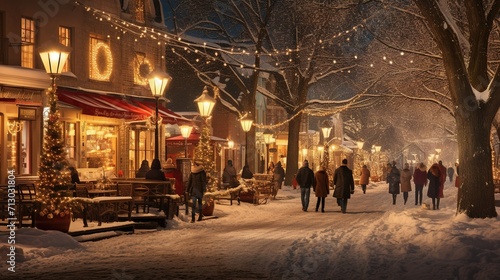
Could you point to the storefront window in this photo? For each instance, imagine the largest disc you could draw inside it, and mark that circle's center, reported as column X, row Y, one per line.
column 19, row 147
column 140, row 148
column 100, row 146
column 70, row 136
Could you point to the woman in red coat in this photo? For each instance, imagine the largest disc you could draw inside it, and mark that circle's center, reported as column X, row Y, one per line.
column 172, row 172
column 365, row 177
column 321, row 187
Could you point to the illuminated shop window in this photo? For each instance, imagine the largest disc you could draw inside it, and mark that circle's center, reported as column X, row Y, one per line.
column 19, row 147
column 100, row 146
column 70, row 140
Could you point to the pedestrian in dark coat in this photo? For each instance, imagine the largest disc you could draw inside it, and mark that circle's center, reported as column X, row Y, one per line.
column 405, row 179
column 365, row 178
column 278, row 177
column 434, row 175
column 344, row 185
column 420, row 180
column 393, row 178
column 321, row 187
column 197, row 185
column 305, row 179
column 156, row 173
column 451, row 172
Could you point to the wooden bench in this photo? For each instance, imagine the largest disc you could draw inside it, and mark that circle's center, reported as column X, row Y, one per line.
column 106, row 205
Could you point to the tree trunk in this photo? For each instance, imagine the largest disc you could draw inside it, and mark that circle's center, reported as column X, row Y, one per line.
column 292, row 156
column 476, row 196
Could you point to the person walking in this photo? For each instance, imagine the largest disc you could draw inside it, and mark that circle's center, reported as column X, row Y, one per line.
column 278, row 177
column 197, row 185
column 420, row 180
column 305, row 179
column 321, row 187
column 451, row 172
column 365, row 178
column 393, row 178
column 405, row 181
column 434, row 176
column 344, row 185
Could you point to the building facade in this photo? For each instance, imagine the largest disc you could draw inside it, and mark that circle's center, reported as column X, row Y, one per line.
column 105, row 103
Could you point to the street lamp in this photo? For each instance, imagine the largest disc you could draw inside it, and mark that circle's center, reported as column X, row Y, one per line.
column 158, row 82
column 246, row 124
column 268, row 138
column 185, row 131
column 325, row 129
column 53, row 175
column 230, row 145
column 205, row 104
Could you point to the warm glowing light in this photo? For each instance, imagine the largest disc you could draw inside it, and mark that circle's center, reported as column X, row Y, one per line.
column 101, row 70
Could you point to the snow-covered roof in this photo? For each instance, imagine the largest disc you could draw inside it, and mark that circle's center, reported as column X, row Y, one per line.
column 16, row 76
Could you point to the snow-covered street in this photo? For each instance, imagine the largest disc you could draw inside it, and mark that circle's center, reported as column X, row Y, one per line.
column 373, row 240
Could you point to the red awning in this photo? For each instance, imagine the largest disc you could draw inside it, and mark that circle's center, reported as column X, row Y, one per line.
column 193, row 138
column 116, row 106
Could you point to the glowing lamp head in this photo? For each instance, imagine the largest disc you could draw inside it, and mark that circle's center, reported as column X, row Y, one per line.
column 158, row 82
column 54, row 57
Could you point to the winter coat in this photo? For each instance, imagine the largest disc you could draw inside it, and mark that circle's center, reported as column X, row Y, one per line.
column 343, row 181
column 420, row 176
column 278, row 173
column 393, row 178
column 197, row 183
column 173, row 172
column 434, row 175
column 405, row 179
column 365, row 176
column 305, row 177
column 156, row 173
column 229, row 176
column 321, row 188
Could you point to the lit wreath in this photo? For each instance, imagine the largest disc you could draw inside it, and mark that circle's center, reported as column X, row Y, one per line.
column 98, row 74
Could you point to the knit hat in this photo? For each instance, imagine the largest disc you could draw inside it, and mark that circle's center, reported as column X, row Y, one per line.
column 169, row 164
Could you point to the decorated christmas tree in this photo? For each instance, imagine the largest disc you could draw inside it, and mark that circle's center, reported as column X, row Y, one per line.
column 204, row 153
column 53, row 172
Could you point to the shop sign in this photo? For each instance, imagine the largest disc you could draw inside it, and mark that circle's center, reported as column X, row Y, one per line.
column 26, row 113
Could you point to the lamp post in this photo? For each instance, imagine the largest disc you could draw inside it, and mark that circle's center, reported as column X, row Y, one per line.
column 52, row 171
column 268, row 137
column 185, row 132
column 158, row 82
column 204, row 150
column 325, row 129
column 246, row 125
column 230, row 145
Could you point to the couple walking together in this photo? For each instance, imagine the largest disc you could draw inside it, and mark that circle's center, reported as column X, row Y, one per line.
column 342, row 180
